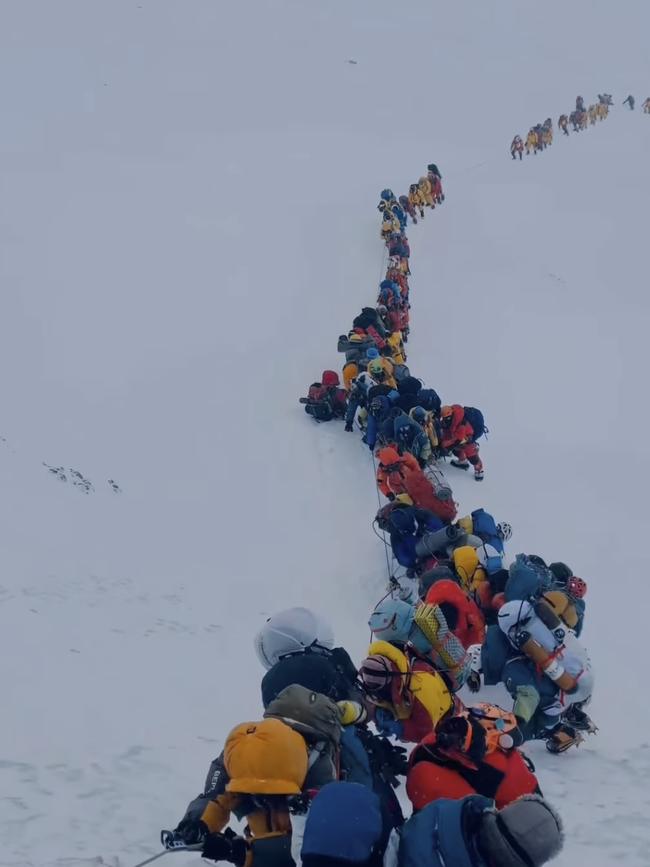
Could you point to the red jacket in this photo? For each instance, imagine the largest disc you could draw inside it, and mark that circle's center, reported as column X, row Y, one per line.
column 459, row 431
column 406, row 477
column 401, row 281
column 470, row 624
column 435, row 773
column 393, row 480
column 371, row 331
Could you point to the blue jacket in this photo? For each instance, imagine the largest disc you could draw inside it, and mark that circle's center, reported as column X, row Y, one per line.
column 389, row 292
column 400, row 214
column 404, row 549
column 404, row 543
column 344, row 822
column 441, row 835
column 410, row 436
column 495, row 653
column 356, row 399
column 375, row 420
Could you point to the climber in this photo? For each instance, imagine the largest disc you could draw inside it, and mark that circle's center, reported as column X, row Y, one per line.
column 460, row 428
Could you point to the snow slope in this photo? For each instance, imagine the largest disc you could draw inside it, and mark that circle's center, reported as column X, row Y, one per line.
column 187, row 224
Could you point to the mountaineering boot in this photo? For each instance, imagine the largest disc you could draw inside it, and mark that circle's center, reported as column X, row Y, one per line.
column 562, row 737
column 579, row 720
column 479, row 475
column 461, row 465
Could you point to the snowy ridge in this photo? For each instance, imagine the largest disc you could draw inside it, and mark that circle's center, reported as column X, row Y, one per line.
column 186, row 220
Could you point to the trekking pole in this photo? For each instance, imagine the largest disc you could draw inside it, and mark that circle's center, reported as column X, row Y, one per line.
column 171, row 844
column 154, row 857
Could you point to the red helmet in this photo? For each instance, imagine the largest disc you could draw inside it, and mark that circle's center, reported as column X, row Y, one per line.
column 330, row 378
column 576, row 587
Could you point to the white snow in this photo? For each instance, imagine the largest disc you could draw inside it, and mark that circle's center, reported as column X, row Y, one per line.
column 187, row 223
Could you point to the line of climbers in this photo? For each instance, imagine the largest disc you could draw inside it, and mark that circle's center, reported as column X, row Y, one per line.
column 540, row 136
column 315, row 784
column 314, row 779
column 398, row 416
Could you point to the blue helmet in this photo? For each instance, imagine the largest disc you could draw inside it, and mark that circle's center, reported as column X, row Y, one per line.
column 392, row 620
column 373, row 352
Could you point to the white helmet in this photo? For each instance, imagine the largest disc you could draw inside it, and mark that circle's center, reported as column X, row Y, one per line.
column 514, row 615
column 365, row 381
column 504, row 531
column 291, row 631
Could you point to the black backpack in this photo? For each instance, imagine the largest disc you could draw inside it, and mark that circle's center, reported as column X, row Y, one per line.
column 318, row 403
column 475, row 418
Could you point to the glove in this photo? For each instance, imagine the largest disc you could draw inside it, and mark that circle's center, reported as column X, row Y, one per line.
column 395, row 759
column 225, row 847
column 352, row 712
column 387, row 760
column 348, row 427
column 191, row 831
column 473, row 682
column 387, row 724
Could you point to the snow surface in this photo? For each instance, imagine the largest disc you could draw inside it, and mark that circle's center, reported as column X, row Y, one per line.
column 187, row 223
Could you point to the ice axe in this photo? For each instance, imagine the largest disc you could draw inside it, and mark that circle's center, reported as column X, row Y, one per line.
column 172, row 843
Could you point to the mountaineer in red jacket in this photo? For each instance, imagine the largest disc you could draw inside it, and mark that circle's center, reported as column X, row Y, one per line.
column 464, row 757
column 461, row 427
column 401, row 475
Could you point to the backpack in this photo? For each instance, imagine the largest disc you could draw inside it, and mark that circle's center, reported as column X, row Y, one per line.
column 400, row 373
column 527, row 579
column 310, row 713
column 475, row 418
column 429, row 399
column 447, row 651
column 484, row 526
column 318, row 402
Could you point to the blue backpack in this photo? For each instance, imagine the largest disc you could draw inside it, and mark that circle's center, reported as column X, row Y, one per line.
column 429, row 399
column 352, row 812
column 528, row 580
column 475, row 418
column 485, row 528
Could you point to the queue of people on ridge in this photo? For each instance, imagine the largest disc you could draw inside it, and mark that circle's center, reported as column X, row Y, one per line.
column 540, row 136
column 313, row 777
column 391, row 407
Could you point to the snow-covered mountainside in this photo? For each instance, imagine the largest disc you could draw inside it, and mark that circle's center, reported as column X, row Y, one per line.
column 187, row 224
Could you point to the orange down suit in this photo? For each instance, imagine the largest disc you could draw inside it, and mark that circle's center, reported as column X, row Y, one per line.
column 458, row 438
column 401, row 474
column 435, row 773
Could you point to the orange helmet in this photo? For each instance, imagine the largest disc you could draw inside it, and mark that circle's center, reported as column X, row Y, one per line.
column 446, row 415
column 388, row 456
